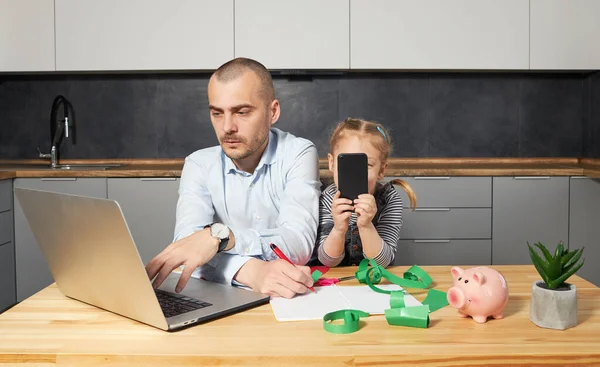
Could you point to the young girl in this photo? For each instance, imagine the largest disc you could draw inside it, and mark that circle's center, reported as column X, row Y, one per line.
column 373, row 229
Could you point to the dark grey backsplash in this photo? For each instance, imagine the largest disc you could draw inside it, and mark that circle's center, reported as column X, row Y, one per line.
column 428, row 114
column 591, row 139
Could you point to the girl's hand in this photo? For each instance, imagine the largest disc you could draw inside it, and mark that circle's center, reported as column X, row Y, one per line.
column 365, row 208
column 341, row 210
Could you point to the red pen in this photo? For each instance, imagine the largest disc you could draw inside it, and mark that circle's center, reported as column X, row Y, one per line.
column 282, row 256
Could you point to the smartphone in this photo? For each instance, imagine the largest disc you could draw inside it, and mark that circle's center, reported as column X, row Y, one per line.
column 352, row 171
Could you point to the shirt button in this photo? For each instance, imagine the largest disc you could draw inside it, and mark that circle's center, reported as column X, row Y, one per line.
column 355, row 247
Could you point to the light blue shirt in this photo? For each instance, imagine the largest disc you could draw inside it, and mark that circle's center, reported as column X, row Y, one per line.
column 278, row 203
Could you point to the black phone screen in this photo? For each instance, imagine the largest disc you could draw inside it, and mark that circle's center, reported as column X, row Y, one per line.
column 352, row 171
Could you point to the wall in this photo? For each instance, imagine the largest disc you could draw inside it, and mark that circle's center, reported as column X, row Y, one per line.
column 429, row 114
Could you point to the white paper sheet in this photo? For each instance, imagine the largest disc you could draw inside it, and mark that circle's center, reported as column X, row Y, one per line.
column 313, row 306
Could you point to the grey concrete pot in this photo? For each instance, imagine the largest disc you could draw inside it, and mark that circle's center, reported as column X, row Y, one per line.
column 553, row 309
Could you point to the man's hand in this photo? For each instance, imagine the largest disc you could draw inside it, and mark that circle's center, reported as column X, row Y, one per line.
column 365, row 208
column 277, row 278
column 192, row 252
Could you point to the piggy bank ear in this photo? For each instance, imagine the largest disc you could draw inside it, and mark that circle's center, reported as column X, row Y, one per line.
column 456, row 271
column 479, row 278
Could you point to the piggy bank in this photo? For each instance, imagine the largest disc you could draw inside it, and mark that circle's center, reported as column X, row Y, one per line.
column 478, row 292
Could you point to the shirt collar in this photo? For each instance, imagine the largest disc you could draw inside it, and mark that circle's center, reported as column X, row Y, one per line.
column 267, row 158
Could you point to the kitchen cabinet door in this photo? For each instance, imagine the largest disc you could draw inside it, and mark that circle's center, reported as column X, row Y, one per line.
column 27, row 35
column 32, row 270
column 7, row 247
column 148, row 205
column 534, row 209
column 308, row 34
column 143, row 34
column 565, row 35
column 439, row 34
column 583, row 224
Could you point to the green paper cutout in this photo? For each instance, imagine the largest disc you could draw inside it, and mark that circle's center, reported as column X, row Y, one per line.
column 416, row 316
column 435, row 300
column 351, row 321
column 316, row 275
column 398, row 314
column 397, row 299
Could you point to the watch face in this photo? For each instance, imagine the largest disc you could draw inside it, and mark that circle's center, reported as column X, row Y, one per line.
column 220, row 230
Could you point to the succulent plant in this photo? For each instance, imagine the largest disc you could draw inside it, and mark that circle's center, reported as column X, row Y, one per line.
column 555, row 270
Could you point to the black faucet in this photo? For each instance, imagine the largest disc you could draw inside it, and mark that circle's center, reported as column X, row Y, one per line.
column 59, row 128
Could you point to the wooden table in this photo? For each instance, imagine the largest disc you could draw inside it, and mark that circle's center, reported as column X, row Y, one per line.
column 51, row 330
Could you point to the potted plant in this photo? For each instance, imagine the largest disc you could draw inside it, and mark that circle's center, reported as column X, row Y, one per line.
column 553, row 301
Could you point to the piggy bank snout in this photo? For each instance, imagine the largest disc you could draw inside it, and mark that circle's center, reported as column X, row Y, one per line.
column 456, row 297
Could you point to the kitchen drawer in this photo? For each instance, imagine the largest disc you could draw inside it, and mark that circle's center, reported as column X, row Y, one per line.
column 6, row 225
column 444, row 252
column 5, row 195
column 449, row 223
column 448, row 192
column 7, row 276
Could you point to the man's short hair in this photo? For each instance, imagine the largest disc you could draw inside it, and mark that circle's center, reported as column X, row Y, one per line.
column 233, row 69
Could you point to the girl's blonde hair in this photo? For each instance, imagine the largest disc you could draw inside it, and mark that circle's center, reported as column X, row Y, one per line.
column 381, row 140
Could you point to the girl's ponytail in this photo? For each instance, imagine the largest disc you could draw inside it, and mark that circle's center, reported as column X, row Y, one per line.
column 409, row 191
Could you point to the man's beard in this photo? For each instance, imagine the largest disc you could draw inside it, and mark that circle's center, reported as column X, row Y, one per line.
column 239, row 154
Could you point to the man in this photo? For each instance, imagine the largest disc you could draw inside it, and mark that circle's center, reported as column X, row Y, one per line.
column 259, row 186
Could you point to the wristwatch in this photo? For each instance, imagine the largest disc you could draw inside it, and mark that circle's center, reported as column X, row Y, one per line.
column 221, row 232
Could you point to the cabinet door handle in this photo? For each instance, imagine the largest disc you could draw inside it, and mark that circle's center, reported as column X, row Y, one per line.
column 532, row 177
column 431, row 241
column 432, row 209
column 580, row 177
column 432, row 178
column 59, row 179
column 158, row 178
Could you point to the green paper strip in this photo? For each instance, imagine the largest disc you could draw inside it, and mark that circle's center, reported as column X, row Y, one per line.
column 416, row 316
column 435, row 300
column 316, row 275
column 415, row 277
column 351, row 321
column 397, row 299
column 363, row 271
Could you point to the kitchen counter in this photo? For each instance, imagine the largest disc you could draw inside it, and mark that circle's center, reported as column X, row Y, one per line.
column 397, row 167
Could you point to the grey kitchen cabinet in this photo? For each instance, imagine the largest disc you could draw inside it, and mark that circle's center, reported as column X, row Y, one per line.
column 7, row 248
column 32, row 270
column 448, row 192
column 443, row 252
column 148, row 205
column 563, row 35
column 528, row 209
column 584, row 230
column 439, row 34
column 143, row 34
column 309, row 34
column 452, row 223
column 26, row 35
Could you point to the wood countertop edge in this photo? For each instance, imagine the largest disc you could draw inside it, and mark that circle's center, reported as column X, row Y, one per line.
column 397, row 167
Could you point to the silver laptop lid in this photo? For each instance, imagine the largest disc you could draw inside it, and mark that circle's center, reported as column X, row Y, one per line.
column 91, row 253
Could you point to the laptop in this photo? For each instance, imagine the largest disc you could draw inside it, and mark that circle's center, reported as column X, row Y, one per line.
column 93, row 259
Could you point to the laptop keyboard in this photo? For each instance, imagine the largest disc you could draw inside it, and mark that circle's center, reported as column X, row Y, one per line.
column 176, row 304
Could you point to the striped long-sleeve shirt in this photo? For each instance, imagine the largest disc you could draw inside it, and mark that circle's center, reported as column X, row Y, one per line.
column 387, row 221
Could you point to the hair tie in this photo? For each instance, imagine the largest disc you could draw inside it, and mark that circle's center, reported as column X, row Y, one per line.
column 382, row 133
